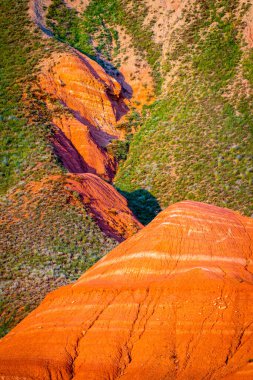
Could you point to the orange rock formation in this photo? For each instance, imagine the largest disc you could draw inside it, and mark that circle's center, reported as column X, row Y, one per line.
column 96, row 104
column 175, row 301
column 78, row 150
column 105, row 204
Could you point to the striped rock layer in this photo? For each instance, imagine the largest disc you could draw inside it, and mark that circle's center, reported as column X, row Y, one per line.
column 175, row 301
column 105, row 204
column 92, row 105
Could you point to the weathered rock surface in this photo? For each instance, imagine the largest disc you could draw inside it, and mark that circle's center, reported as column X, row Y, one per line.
column 105, row 204
column 172, row 302
column 83, row 85
column 95, row 102
column 77, row 149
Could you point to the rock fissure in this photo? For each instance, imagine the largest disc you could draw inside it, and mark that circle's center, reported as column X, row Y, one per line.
column 83, row 334
column 126, row 351
column 148, row 326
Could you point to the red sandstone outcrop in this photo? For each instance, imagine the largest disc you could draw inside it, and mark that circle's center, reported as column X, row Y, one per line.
column 105, row 204
column 84, row 87
column 77, row 149
column 175, row 301
column 96, row 104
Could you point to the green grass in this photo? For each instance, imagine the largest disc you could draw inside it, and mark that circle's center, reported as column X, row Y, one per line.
column 196, row 143
column 94, row 32
column 248, row 66
column 23, row 136
column 68, row 27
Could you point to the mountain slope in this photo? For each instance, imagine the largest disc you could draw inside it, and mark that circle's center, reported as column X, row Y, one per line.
column 196, row 139
column 148, row 309
column 162, row 89
column 50, row 234
column 51, row 231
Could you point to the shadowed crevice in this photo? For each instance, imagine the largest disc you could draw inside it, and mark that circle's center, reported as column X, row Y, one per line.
column 143, row 204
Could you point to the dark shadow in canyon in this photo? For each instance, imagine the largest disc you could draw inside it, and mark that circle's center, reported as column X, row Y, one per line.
column 143, row 204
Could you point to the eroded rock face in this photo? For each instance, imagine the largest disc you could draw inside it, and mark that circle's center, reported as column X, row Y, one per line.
column 105, row 205
column 172, row 302
column 95, row 103
column 92, row 95
column 78, row 150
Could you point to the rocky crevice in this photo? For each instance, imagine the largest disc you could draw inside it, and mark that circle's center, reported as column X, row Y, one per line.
column 74, row 368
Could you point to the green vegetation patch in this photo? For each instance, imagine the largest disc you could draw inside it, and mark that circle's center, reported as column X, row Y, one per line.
column 196, row 142
column 94, row 32
column 68, row 27
column 24, row 144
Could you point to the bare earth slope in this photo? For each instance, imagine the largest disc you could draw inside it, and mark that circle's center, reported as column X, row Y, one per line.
column 172, row 302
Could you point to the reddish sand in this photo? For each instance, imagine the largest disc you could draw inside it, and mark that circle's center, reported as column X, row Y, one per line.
column 175, row 301
column 84, row 87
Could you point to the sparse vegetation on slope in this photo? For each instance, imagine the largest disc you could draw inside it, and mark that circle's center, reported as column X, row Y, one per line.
column 93, row 32
column 196, row 142
column 48, row 240
column 23, row 142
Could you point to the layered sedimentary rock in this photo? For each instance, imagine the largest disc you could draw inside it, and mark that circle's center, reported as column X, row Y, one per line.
column 173, row 302
column 95, row 102
column 86, row 89
column 78, row 150
column 105, row 204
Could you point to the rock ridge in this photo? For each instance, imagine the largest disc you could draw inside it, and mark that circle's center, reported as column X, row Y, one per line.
column 177, row 291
